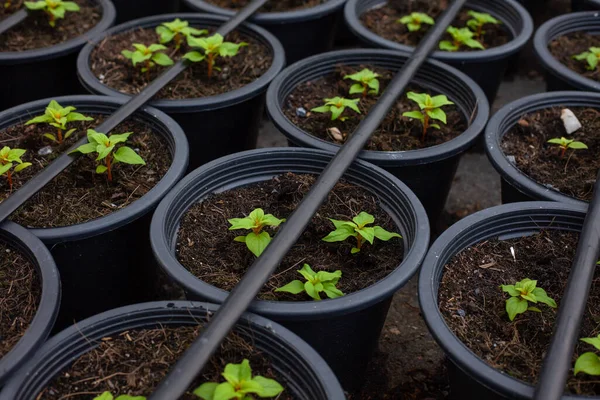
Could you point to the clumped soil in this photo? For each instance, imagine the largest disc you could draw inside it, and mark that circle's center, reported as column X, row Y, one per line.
column 396, row 133
column 277, row 6
column 78, row 194
column 36, row 33
column 20, row 293
column 135, row 362
column 115, row 71
column 575, row 173
column 205, row 244
column 565, row 47
column 383, row 22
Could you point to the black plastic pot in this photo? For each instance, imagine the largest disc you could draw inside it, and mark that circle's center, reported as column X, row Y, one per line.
column 128, row 10
column 304, row 372
column 302, row 33
column 427, row 172
column 345, row 331
column 105, row 263
column 486, row 67
column 41, row 325
column 516, row 186
column 217, row 125
column 581, row 5
column 36, row 74
column 471, row 377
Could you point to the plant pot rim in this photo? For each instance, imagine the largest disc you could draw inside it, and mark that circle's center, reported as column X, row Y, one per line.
column 509, row 171
column 139, row 207
column 495, row 53
column 227, row 99
column 70, row 46
column 380, row 158
column 48, row 307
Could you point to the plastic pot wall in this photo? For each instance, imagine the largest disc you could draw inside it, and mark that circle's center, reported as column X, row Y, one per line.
column 105, row 263
column 48, row 277
column 471, row 377
column 36, row 74
column 428, row 172
column 582, row 5
column 353, row 322
column 304, row 373
column 128, row 10
column 486, row 67
column 217, row 125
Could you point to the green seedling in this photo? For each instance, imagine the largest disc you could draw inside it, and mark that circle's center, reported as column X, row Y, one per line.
column 58, row 117
column 566, row 144
column 56, row 9
column 10, row 158
column 105, row 146
column 316, row 282
column 336, row 107
column 367, row 82
column 7, row 4
column 176, row 31
column 257, row 240
column 240, row 384
column 521, row 294
column 212, row 47
column 589, row 363
column 358, row 229
column 109, row 396
column 460, row 37
column 148, row 56
column 415, row 20
column 478, row 21
column 430, row 110
column 591, row 56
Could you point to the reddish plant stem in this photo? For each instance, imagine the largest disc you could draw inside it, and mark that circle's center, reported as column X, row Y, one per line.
column 9, row 178
column 108, row 168
column 60, row 136
column 425, row 125
column 177, row 41
column 359, row 241
column 148, row 70
column 563, row 152
column 211, row 60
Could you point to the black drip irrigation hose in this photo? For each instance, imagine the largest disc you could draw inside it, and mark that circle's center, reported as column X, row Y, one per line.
column 13, row 20
column 195, row 358
column 557, row 363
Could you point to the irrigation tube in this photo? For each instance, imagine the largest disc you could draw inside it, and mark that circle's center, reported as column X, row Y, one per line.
column 195, row 358
column 557, row 363
column 13, row 20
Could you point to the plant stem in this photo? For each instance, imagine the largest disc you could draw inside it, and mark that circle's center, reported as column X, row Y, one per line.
column 108, row 168
column 364, row 94
column 359, row 241
column 564, row 150
column 479, row 31
column 9, row 178
column 60, row 136
column 211, row 58
column 425, row 125
column 148, row 70
column 177, row 41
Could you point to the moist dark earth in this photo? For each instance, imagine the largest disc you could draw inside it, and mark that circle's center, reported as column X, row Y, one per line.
column 565, row 47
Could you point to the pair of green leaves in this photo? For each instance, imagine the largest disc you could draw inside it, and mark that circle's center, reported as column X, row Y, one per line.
column 148, row 55
column 212, row 47
column 58, row 117
column 8, row 158
column 175, row 30
column 367, row 82
column 109, row 396
column 591, row 57
column 460, row 37
column 589, row 363
column 431, row 108
column 522, row 293
column 257, row 240
column 566, row 144
column 56, row 9
column 414, row 21
column 316, row 282
column 479, row 20
column 336, row 106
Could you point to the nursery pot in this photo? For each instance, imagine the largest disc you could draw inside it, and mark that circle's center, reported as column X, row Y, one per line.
column 41, row 325
column 486, row 67
column 427, row 172
column 517, row 186
column 471, row 377
column 345, row 331
column 302, row 33
column 36, row 74
column 217, row 125
column 104, row 263
column 128, row 10
column 304, row 372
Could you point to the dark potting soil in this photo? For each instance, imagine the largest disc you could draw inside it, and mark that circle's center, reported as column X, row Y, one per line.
column 396, row 133
column 383, row 22
column 205, row 244
column 565, row 47
column 135, row 362
column 277, row 6
column 573, row 175
column 115, row 71
column 79, row 194
column 20, row 293
column 36, row 33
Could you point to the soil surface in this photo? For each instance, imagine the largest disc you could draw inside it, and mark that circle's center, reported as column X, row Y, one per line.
column 575, row 173
column 565, row 47
column 20, row 293
column 79, row 194
column 383, row 22
column 205, row 246
column 276, row 6
column 117, row 72
column 396, row 133
column 36, row 33
column 135, row 362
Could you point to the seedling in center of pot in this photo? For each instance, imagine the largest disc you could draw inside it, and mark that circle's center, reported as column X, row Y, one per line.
column 367, row 82
column 460, row 37
column 56, row 9
column 212, row 47
column 240, row 384
column 566, row 144
column 177, row 30
column 430, row 110
column 109, row 396
column 358, row 228
column 257, row 240
column 316, row 282
column 336, row 107
column 58, row 117
column 591, row 56
column 105, row 147
column 415, row 20
column 589, row 363
column 10, row 158
column 478, row 21
column 523, row 292
column 148, row 56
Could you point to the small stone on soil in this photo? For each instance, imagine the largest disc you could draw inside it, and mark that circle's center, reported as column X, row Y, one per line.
column 301, row 112
column 44, row 151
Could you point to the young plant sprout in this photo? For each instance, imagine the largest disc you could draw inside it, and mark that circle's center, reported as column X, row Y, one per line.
column 566, row 144
column 149, row 56
column 523, row 292
column 7, row 4
column 415, row 20
column 10, row 158
column 336, row 107
column 58, row 116
column 358, row 228
column 589, row 363
column 105, row 147
column 316, row 282
column 478, row 21
column 430, row 110
column 56, row 9
column 212, row 47
column 591, row 56
column 460, row 37
column 257, row 240
column 240, row 384
column 367, row 82
column 109, row 396
column 177, row 30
